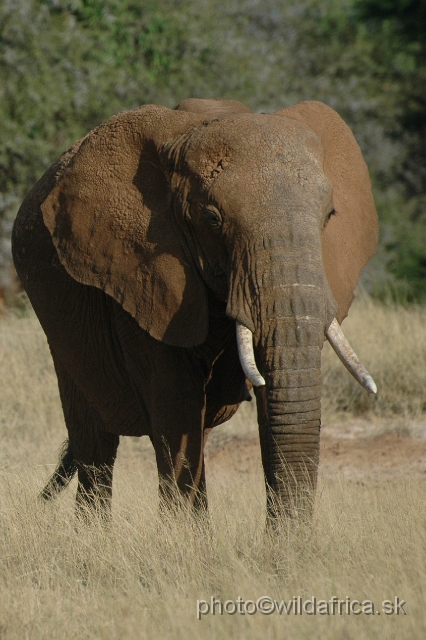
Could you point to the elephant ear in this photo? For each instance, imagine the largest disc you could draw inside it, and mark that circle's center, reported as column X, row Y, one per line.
column 111, row 220
column 350, row 238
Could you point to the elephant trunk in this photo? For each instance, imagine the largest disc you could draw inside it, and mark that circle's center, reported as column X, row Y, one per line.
column 289, row 421
column 290, row 310
column 289, row 411
column 283, row 306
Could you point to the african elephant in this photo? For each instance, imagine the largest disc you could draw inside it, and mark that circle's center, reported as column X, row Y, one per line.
column 177, row 257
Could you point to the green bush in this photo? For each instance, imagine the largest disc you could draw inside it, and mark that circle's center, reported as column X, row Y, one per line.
column 67, row 65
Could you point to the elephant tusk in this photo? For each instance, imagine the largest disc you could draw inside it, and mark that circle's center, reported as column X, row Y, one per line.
column 347, row 355
column 246, row 353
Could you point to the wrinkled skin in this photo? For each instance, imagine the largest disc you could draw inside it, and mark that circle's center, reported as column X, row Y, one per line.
column 146, row 241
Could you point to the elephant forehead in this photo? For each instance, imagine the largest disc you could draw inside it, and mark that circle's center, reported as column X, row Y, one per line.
column 262, row 145
column 287, row 202
column 284, row 166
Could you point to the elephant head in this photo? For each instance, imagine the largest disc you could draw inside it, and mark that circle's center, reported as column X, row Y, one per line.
column 271, row 213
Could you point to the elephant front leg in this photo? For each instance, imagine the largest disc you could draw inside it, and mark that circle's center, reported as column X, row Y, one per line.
column 181, row 469
column 177, row 423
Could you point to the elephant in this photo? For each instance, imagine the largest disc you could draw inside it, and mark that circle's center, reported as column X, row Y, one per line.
column 178, row 258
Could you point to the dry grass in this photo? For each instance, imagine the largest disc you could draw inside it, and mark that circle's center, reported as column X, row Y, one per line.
column 391, row 342
column 141, row 576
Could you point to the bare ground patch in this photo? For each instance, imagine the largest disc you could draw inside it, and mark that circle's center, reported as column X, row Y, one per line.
column 361, row 450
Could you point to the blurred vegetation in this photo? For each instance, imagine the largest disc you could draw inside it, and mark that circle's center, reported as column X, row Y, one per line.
column 67, row 65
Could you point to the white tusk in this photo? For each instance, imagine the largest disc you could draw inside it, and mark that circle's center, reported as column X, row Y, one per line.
column 246, row 353
column 347, row 355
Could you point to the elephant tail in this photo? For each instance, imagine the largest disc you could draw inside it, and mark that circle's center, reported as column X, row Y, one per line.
column 63, row 474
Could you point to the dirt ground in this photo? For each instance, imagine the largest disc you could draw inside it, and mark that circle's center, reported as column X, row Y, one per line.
column 358, row 449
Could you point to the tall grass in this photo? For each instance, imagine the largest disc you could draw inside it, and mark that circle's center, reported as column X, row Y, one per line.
column 391, row 342
column 141, row 576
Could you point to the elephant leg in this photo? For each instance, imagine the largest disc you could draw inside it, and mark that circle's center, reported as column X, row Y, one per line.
column 95, row 470
column 93, row 448
column 179, row 453
column 177, row 411
column 169, row 383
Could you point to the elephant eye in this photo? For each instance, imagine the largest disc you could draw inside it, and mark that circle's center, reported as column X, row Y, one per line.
column 333, row 212
column 213, row 217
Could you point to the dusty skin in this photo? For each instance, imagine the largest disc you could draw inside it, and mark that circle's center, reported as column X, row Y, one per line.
column 141, row 576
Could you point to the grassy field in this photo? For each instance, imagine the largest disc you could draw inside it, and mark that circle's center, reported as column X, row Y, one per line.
column 141, row 576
